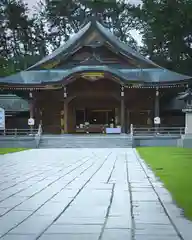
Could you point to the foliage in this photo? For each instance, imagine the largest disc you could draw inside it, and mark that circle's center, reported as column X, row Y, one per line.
column 21, row 38
column 167, row 32
column 64, row 18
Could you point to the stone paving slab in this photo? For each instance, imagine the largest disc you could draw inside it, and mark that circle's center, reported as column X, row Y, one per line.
column 69, row 237
column 87, row 194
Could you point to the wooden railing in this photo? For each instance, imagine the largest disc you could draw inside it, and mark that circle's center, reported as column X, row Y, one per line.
column 18, row 132
column 144, row 131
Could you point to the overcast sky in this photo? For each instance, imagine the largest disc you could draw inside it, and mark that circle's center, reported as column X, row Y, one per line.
column 33, row 2
column 134, row 33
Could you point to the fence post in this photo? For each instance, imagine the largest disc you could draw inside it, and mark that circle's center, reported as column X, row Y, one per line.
column 31, row 130
column 15, row 132
column 131, row 129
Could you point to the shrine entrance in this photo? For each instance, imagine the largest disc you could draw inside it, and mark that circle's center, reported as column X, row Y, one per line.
column 94, row 120
column 93, row 114
column 92, row 106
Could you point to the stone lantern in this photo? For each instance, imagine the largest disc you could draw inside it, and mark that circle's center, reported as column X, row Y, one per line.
column 187, row 137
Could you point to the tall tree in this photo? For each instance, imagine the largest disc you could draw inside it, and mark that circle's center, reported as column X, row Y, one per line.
column 167, row 32
column 22, row 39
column 66, row 17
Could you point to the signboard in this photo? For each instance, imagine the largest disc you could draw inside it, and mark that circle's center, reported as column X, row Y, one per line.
column 31, row 122
column 157, row 120
column 2, row 118
column 92, row 76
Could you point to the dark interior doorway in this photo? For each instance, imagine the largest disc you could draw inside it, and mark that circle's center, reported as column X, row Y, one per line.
column 95, row 118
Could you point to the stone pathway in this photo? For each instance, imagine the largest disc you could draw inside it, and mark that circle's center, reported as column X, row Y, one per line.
column 87, row 194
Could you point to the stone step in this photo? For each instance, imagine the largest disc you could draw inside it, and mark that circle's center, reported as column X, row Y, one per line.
column 84, row 146
column 88, row 141
column 84, row 142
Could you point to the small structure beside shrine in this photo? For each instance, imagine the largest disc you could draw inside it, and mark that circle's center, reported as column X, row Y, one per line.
column 96, row 84
column 16, row 111
column 186, row 140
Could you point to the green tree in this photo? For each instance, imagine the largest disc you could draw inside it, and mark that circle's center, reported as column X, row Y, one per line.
column 167, row 32
column 22, row 38
column 66, row 17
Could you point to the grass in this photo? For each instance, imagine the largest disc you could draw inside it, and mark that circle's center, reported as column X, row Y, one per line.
column 174, row 167
column 11, row 150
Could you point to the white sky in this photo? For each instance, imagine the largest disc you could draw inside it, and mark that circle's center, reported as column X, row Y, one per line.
column 33, row 2
column 134, row 33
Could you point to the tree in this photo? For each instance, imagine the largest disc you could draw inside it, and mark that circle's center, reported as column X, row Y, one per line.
column 22, row 39
column 66, row 17
column 167, row 32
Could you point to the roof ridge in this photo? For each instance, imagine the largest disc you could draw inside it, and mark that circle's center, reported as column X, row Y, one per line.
column 63, row 46
column 124, row 45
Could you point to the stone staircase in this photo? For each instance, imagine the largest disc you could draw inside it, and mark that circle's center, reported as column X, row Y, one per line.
column 85, row 141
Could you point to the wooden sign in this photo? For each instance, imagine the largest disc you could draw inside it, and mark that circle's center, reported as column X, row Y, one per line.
column 157, row 120
column 31, row 122
column 92, row 76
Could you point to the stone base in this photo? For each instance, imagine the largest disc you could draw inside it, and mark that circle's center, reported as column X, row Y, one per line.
column 188, row 123
column 185, row 141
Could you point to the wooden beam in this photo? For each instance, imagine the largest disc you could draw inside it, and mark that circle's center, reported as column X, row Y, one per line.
column 65, row 116
column 157, row 108
column 31, row 105
column 122, row 110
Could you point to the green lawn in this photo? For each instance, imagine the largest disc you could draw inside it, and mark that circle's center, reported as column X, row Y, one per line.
column 11, row 150
column 174, row 167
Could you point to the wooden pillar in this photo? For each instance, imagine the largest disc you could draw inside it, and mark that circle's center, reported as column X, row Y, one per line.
column 62, row 121
column 122, row 110
column 157, row 110
column 31, row 109
column 41, row 116
column 117, row 117
column 65, row 116
column 65, row 111
column 128, row 120
column 31, row 105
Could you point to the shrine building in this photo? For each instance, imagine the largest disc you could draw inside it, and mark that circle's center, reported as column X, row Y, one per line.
column 94, row 83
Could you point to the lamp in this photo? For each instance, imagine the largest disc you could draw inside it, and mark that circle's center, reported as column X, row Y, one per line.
column 30, row 94
column 122, row 91
column 65, row 92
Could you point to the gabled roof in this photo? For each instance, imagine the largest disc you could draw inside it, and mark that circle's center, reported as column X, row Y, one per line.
column 76, row 41
column 148, row 72
column 13, row 103
column 65, row 49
